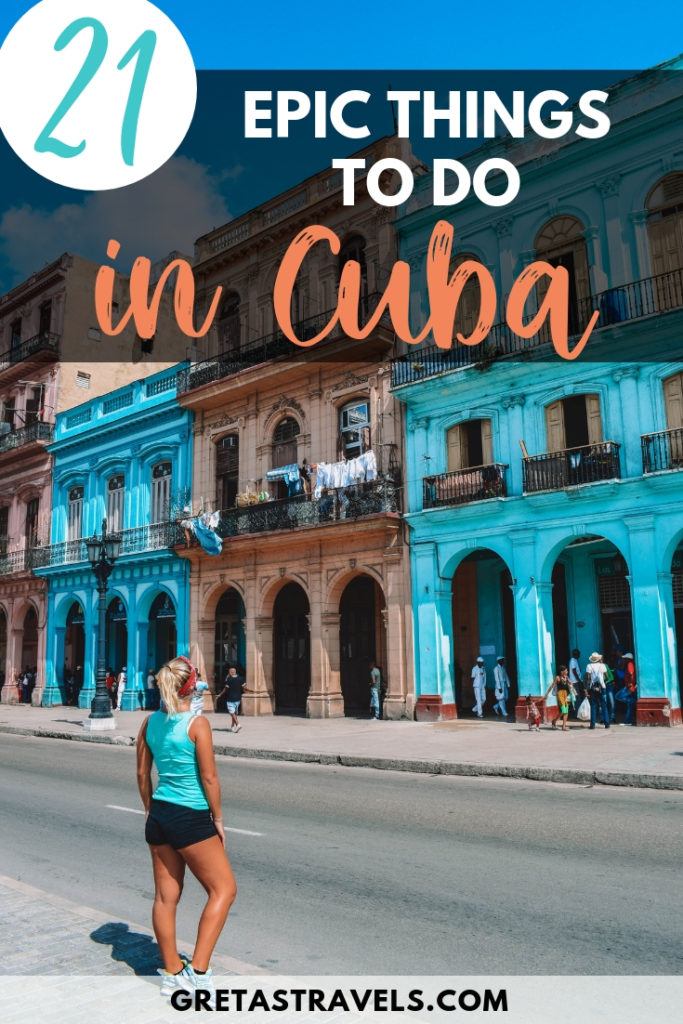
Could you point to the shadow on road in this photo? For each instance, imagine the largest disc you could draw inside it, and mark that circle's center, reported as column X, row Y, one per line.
column 140, row 952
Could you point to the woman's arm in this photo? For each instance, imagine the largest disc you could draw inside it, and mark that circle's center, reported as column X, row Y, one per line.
column 200, row 733
column 144, row 758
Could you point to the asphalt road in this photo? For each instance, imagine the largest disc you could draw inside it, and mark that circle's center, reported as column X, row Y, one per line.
column 362, row 871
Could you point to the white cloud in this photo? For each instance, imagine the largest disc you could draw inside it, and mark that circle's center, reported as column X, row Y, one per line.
column 167, row 211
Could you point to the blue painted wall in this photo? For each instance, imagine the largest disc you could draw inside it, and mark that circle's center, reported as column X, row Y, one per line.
column 127, row 432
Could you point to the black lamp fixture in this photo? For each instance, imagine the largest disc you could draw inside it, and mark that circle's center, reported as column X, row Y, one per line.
column 103, row 553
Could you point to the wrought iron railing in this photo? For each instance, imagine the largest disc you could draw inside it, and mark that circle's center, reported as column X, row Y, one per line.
column 140, row 539
column 12, row 562
column 662, row 450
column 43, row 342
column 354, row 502
column 25, row 435
column 464, row 485
column 650, row 295
column 571, row 467
column 261, row 350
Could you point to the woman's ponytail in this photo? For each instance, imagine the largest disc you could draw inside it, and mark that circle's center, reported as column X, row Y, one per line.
column 170, row 679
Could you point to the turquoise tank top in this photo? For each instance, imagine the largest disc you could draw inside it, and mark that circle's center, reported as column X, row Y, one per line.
column 175, row 758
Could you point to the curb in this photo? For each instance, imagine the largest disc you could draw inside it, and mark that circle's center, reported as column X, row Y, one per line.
column 573, row 776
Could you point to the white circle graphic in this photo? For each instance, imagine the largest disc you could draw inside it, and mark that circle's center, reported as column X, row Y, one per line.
column 96, row 95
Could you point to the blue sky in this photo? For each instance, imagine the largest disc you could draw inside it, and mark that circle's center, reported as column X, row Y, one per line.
column 446, row 34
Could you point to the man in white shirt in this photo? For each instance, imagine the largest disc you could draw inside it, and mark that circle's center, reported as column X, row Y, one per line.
column 502, row 687
column 479, row 686
column 120, row 687
column 596, row 685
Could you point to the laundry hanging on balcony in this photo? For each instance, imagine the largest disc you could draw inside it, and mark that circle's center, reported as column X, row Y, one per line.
column 291, row 475
column 339, row 475
column 204, row 529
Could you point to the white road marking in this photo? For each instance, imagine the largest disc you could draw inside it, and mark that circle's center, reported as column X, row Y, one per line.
column 135, row 810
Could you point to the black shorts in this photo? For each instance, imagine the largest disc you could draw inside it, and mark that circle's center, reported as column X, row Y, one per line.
column 176, row 826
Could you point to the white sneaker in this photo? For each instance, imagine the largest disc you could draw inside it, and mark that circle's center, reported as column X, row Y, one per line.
column 237, row 728
column 168, row 981
column 189, row 981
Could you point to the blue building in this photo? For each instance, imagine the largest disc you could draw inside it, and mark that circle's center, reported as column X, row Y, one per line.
column 126, row 457
column 544, row 496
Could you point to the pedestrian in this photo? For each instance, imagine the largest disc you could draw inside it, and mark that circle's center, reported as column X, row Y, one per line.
column 197, row 697
column 502, row 687
column 631, row 686
column 596, row 687
column 110, row 683
column 576, row 680
column 78, row 684
column 151, row 688
column 609, row 693
column 69, row 686
column 184, row 826
column 375, row 688
column 234, row 684
column 120, row 687
column 479, row 686
column 562, row 688
column 25, row 683
column 32, row 683
column 533, row 715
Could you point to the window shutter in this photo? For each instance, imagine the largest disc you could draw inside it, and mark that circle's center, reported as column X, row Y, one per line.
column 594, row 418
column 487, row 442
column 456, row 442
column 673, row 399
column 554, row 424
column 666, row 245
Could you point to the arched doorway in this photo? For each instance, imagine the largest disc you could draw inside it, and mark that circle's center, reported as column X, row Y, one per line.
column 592, row 608
column 291, row 650
column 561, row 243
column 664, row 207
column 29, row 643
column 117, row 635
column 74, row 638
column 230, row 644
column 483, row 626
column 163, row 635
column 361, row 641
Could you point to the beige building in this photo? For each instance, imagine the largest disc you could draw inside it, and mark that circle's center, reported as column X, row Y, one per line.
column 312, row 585
column 52, row 357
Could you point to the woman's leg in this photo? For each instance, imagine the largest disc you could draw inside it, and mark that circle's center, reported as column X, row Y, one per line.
column 209, row 863
column 169, row 871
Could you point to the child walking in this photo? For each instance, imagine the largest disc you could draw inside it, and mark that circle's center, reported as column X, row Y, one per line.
column 533, row 715
column 563, row 691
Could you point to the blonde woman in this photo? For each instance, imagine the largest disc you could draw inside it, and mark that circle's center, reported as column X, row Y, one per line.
column 184, row 824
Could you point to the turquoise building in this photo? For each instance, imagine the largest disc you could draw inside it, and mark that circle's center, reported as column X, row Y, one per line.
column 126, row 457
column 544, row 496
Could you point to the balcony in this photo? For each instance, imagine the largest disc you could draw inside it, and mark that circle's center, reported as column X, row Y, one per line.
column 376, row 497
column 13, row 562
column 465, row 485
column 262, row 350
column 571, row 467
column 634, row 301
column 139, row 540
column 41, row 348
column 662, row 450
column 35, row 432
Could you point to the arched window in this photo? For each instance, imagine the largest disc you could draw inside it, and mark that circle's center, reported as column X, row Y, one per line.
column 354, row 429
column 665, row 223
column 75, row 514
column 285, row 443
column 469, row 304
column 161, row 492
column 469, row 444
column 573, row 422
column 227, row 470
column 229, row 324
column 561, row 243
column 115, row 498
column 354, row 249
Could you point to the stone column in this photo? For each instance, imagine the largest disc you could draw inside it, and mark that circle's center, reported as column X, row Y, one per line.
column 515, row 474
column 631, row 452
column 533, row 616
column 331, row 700
column 260, row 698
column 652, row 625
column 41, row 680
column 615, row 261
column 640, row 245
column 396, row 667
column 434, row 684
column 142, row 659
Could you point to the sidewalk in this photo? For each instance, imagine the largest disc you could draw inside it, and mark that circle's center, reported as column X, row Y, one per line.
column 620, row 756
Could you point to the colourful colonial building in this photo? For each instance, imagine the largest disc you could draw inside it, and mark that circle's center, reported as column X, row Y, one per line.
column 53, row 356
column 543, row 496
column 126, row 457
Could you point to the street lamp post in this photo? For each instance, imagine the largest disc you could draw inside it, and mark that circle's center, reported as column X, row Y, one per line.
column 102, row 554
